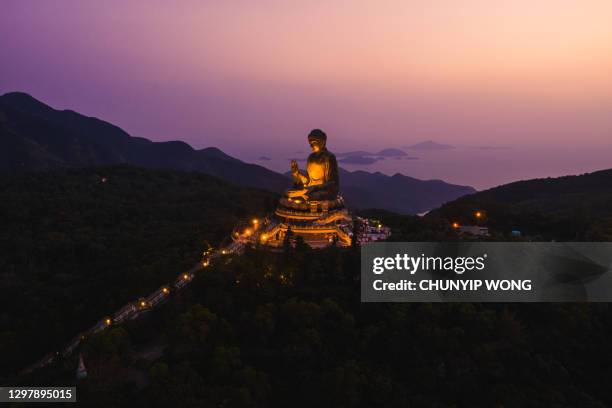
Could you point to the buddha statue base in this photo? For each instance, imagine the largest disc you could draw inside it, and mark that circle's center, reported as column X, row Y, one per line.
column 320, row 223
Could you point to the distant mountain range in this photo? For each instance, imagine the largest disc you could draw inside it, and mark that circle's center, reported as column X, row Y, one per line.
column 34, row 136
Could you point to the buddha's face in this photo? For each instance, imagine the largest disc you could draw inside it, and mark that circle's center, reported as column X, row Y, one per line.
column 316, row 144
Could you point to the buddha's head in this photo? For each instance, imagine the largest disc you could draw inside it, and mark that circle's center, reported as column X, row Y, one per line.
column 317, row 139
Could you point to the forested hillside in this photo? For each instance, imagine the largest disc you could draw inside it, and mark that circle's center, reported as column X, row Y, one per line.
column 277, row 330
column 566, row 208
column 76, row 244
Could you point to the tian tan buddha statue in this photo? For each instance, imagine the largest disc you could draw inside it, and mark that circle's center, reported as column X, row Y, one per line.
column 320, row 180
column 313, row 209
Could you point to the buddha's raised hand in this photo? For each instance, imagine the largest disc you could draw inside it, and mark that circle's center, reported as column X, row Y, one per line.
column 294, row 167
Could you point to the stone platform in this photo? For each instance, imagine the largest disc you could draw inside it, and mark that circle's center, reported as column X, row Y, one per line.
column 319, row 223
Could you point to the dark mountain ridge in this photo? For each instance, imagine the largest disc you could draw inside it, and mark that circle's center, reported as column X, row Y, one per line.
column 34, row 136
column 570, row 207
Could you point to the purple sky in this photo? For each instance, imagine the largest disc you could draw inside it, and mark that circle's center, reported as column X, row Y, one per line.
column 253, row 77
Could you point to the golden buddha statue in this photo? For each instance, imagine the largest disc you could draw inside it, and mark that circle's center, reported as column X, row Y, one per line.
column 320, row 180
column 313, row 209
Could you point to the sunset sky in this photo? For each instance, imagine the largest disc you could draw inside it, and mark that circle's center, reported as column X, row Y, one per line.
column 252, row 77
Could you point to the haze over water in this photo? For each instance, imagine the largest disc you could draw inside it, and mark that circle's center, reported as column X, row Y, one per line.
column 252, row 78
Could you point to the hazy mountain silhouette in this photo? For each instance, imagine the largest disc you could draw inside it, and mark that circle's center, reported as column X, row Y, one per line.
column 398, row 193
column 34, row 136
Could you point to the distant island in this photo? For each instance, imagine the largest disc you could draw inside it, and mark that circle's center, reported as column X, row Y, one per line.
column 388, row 152
column 430, row 145
column 365, row 158
column 491, row 147
column 391, row 152
column 360, row 159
